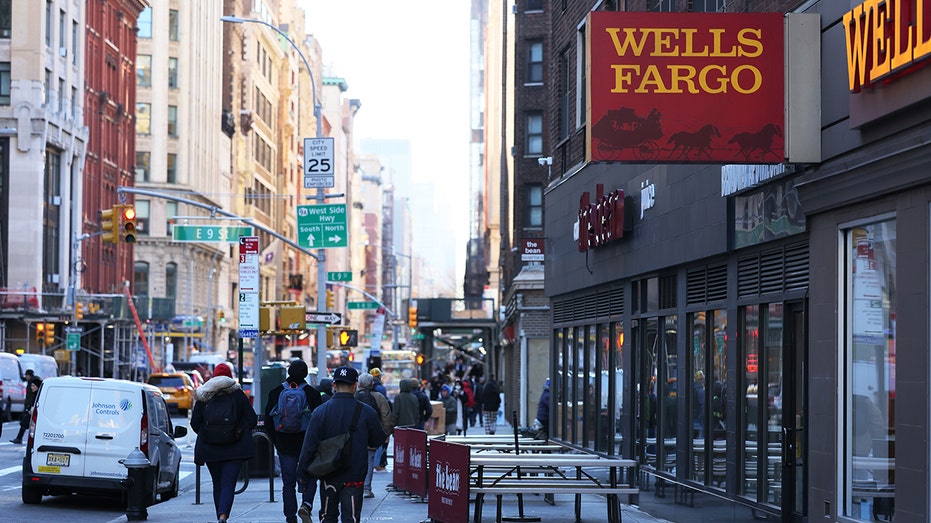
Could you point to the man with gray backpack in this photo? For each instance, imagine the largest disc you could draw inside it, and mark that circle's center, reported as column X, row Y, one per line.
column 287, row 415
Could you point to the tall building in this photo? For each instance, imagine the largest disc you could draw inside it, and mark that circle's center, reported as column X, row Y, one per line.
column 182, row 153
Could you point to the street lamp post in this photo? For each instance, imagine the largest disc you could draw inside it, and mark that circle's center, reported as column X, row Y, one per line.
column 320, row 197
column 410, row 288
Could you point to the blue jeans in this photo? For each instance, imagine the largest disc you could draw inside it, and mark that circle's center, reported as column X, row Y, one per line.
column 371, row 468
column 224, row 474
column 340, row 502
column 289, row 488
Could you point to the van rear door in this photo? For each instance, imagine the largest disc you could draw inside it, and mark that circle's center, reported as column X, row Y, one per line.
column 113, row 428
column 61, row 433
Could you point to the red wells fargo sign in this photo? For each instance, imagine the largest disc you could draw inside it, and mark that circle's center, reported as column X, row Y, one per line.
column 685, row 87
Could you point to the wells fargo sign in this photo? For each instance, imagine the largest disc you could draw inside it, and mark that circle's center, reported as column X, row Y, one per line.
column 685, row 87
column 885, row 37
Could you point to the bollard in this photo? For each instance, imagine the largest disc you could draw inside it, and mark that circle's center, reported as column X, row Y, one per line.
column 137, row 464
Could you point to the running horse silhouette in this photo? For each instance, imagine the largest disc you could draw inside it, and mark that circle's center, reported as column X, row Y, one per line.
column 686, row 142
column 762, row 140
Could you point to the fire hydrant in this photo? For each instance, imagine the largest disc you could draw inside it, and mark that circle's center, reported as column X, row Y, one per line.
column 137, row 463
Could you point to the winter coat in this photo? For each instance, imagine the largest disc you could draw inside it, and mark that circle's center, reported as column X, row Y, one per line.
column 288, row 443
column 406, row 407
column 452, row 408
column 543, row 407
column 491, row 396
column 380, row 404
column 242, row 449
column 333, row 418
column 424, row 406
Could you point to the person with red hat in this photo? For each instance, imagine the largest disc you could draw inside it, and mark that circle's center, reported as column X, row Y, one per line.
column 223, row 420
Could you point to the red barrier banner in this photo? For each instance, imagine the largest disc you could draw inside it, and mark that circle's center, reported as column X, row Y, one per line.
column 449, row 482
column 417, row 462
column 399, row 477
column 685, row 87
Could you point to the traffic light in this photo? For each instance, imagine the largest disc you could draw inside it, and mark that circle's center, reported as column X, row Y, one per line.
column 49, row 334
column 412, row 317
column 330, row 300
column 110, row 224
column 292, row 318
column 420, row 359
column 349, row 338
column 40, row 333
column 79, row 310
column 329, row 338
column 129, row 223
column 221, row 317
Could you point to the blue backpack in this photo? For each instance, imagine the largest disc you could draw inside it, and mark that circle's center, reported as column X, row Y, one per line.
column 292, row 414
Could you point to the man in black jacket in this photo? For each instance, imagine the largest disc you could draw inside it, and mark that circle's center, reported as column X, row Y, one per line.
column 288, row 445
column 341, row 491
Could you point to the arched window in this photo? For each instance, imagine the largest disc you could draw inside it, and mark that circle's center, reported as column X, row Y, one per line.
column 141, row 278
column 171, row 280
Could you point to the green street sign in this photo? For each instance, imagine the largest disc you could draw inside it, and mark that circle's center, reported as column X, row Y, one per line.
column 73, row 338
column 339, row 276
column 322, row 226
column 362, row 305
column 209, row 233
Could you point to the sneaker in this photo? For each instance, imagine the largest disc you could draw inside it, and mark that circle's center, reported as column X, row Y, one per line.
column 16, row 441
column 304, row 513
column 380, row 469
column 368, row 494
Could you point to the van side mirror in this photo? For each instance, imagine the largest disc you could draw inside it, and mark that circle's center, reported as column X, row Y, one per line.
column 179, row 432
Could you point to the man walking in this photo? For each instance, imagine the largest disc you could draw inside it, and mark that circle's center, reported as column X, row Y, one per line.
column 341, row 491
column 491, row 401
column 288, row 441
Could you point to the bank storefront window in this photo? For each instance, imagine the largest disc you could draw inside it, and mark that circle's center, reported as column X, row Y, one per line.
column 868, row 427
column 708, row 397
column 618, row 387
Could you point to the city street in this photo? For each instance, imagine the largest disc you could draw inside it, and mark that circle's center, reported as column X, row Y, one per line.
column 88, row 509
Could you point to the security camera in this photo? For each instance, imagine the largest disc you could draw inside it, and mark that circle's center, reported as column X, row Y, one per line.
column 546, row 160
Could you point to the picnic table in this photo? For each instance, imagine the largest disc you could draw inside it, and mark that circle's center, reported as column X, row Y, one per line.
column 565, row 473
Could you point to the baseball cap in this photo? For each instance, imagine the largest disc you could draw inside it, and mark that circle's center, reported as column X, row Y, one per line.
column 345, row 375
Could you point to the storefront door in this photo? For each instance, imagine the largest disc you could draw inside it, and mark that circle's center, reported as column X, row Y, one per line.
column 794, row 473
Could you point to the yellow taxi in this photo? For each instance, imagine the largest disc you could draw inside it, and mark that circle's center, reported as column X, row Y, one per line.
column 177, row 389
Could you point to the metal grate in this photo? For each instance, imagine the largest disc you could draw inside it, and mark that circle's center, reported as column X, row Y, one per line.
column 705, row 284
column 667, row 292
column 773, row 271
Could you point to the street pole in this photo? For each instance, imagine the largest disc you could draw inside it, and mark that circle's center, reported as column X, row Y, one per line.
column 320, row 196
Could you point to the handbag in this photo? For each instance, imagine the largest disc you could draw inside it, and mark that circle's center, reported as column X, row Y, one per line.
column 333, row 454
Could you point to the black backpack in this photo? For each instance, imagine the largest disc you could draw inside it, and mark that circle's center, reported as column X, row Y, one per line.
column 221, row 420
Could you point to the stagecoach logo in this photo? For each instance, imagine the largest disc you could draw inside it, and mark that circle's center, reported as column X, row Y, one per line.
column 885, row 37
column 601, row 221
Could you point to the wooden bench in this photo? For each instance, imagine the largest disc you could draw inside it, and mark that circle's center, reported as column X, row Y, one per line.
column 548, row 474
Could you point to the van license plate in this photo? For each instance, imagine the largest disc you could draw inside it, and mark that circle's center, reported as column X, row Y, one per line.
column 58, row 460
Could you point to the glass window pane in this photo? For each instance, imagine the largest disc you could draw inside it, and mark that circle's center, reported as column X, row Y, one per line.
column 172, row 73
column 144, row 70
column 144, row 22
column 171, row 210
column 142, row 166
column 749, row 348
column 670, row 390
column 697, row 395
column 172, row 120
column 618, row 387
column 170, row 174
column 143, row 118
column 719, row 422
column 870, row 361
column 173, row 25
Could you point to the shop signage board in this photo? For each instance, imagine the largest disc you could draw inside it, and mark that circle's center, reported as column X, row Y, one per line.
column 685, row 87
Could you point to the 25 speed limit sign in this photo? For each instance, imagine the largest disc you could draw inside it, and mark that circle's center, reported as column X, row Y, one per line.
column 318, row 162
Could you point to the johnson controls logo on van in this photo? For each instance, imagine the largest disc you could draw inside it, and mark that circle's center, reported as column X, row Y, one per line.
column 106, row 408
column 126, row 405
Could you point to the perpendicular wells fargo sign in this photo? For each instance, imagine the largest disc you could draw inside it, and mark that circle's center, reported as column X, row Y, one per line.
column 685, row 87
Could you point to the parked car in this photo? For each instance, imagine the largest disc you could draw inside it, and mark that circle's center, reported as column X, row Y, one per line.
column 43, row 366
column 83, row 428
column 177, row 388
column 12, row 387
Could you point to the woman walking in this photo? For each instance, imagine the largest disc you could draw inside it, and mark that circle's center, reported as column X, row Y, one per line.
column 223, row 420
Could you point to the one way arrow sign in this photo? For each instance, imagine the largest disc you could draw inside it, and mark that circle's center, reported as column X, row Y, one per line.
column 329, row 318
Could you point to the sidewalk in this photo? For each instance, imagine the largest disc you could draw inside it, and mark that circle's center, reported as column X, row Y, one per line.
column 253, row 506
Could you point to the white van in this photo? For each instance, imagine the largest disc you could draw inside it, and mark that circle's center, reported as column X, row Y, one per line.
column 43, row 366
column 12, row 387
column 84, row 428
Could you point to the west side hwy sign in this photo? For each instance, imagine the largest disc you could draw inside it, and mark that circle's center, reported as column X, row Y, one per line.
column 322, row 226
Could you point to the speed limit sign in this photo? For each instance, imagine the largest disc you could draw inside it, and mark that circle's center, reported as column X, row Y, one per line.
column 318, row 163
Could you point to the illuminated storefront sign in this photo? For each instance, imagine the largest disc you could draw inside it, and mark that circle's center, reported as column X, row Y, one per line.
column 601, row 221
column 685, row 87
column 885, row 37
